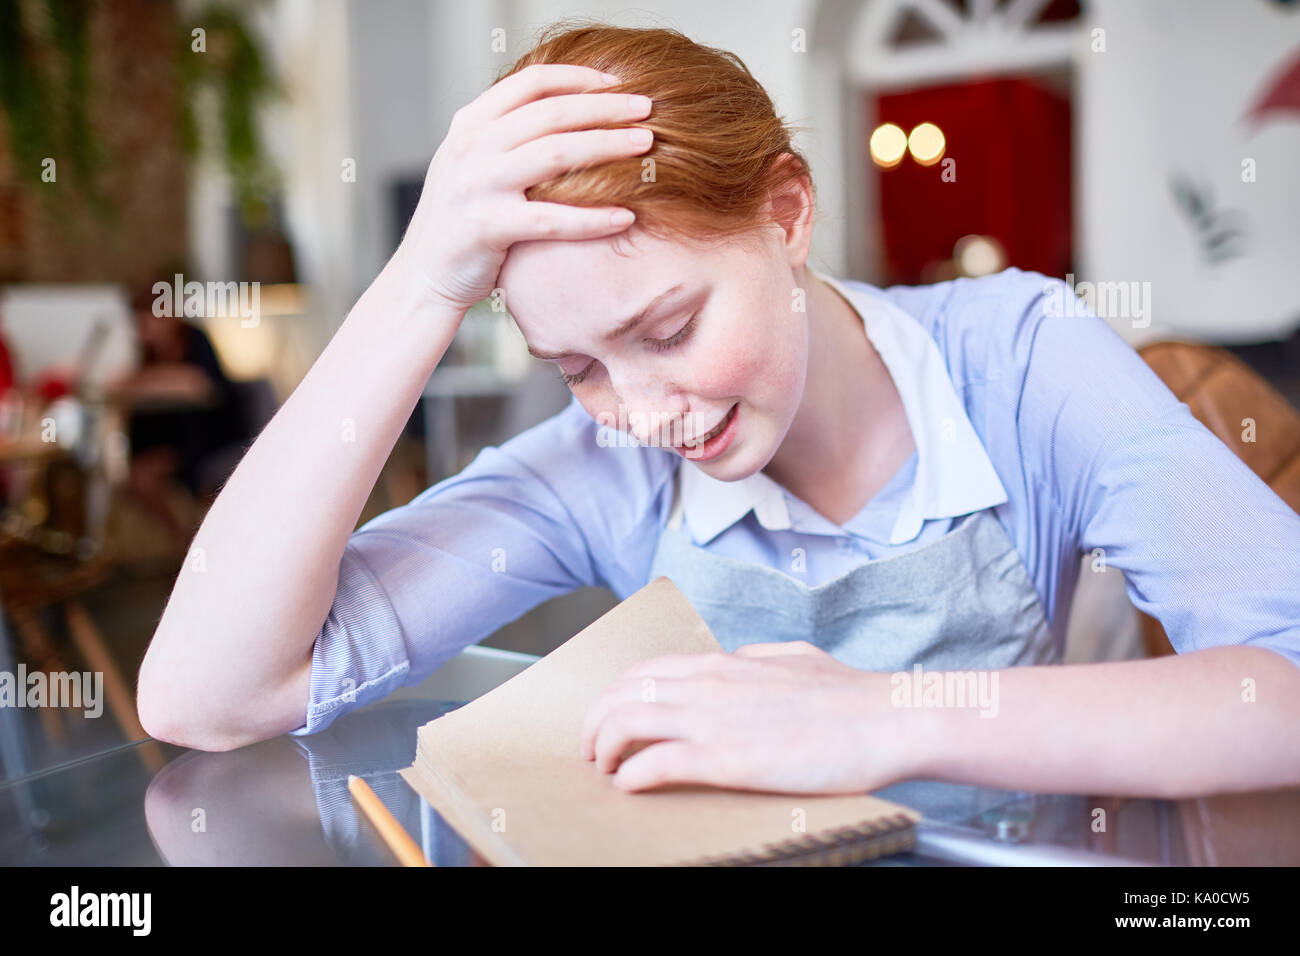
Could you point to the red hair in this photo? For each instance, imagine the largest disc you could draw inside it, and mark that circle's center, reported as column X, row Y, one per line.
column 718, row 140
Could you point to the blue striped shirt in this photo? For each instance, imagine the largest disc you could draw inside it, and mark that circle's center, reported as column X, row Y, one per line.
column 1050, row 419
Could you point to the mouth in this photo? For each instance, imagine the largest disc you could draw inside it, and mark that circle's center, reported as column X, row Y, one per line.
column 712, row 442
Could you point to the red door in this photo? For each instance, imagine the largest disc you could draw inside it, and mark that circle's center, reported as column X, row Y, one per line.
column 1005, row 173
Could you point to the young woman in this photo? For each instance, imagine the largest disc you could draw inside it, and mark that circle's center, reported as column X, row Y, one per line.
column 854, row 482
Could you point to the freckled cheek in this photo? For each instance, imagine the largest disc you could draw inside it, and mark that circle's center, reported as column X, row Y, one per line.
column 753, row 374
column 786, row 374
column 731, row 371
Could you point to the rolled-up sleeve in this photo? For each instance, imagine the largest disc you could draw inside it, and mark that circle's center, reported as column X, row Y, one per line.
column 523, row 523
column 1206, row 547
column 360, row 653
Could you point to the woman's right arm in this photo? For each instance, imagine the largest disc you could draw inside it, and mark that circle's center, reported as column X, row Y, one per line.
column 231, row 659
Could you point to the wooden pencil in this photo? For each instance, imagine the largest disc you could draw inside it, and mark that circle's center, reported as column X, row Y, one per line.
column 406, row 850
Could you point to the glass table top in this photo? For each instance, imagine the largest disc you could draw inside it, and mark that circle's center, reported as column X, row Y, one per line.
column 285, row 801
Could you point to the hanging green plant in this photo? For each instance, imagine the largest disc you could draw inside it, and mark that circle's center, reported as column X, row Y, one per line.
column 44, row 84
column 222, row 55
column 45, row 80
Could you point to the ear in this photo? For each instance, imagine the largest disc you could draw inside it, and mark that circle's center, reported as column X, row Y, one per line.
column 792, row 205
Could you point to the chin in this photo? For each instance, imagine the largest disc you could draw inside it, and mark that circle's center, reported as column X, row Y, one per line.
column 737, row 466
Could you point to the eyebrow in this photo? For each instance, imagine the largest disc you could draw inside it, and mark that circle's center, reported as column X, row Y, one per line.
column 623, row 328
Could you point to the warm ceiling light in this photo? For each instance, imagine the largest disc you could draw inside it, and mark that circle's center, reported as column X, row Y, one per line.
column 888, row 144
column 979, row 256
column 926, row 144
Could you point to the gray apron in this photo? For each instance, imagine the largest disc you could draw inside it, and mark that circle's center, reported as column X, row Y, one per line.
column 962, row 602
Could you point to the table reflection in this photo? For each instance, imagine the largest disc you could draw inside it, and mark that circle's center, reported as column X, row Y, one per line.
column 286, row 801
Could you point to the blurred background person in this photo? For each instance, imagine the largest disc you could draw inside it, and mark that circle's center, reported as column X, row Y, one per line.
column 186, row 421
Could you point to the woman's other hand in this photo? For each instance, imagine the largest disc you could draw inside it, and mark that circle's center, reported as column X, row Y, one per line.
column 783, row 717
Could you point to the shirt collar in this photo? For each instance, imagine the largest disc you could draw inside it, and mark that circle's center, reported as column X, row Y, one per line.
column 954, row 475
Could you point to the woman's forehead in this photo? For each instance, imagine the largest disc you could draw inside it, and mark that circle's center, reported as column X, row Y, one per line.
column 590, row 278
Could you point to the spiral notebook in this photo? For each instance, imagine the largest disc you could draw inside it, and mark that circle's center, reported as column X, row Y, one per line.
column 505, row 771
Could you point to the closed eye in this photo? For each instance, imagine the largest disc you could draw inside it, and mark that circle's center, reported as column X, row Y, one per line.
column 656, row 345
column 572, row 380
column 663, row 345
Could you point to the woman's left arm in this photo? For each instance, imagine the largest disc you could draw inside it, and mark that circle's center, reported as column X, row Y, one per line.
column 1205, row 547
column 789, row 717
column 1215, row 720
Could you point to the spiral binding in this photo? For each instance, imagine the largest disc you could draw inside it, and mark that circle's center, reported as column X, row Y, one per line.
column 842, row 846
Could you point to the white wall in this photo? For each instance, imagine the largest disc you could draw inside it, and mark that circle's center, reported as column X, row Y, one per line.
column 308, row 133
column 1170, row 93
column 391, row 109
column 312, row 133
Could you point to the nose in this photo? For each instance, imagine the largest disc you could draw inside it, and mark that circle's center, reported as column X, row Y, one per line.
column 655, row 407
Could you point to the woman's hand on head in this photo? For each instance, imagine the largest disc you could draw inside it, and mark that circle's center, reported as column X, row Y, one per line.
column 782, row 717
column 529, row 127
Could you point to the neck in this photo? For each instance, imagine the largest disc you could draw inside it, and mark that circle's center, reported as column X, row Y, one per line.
column 850, row 434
